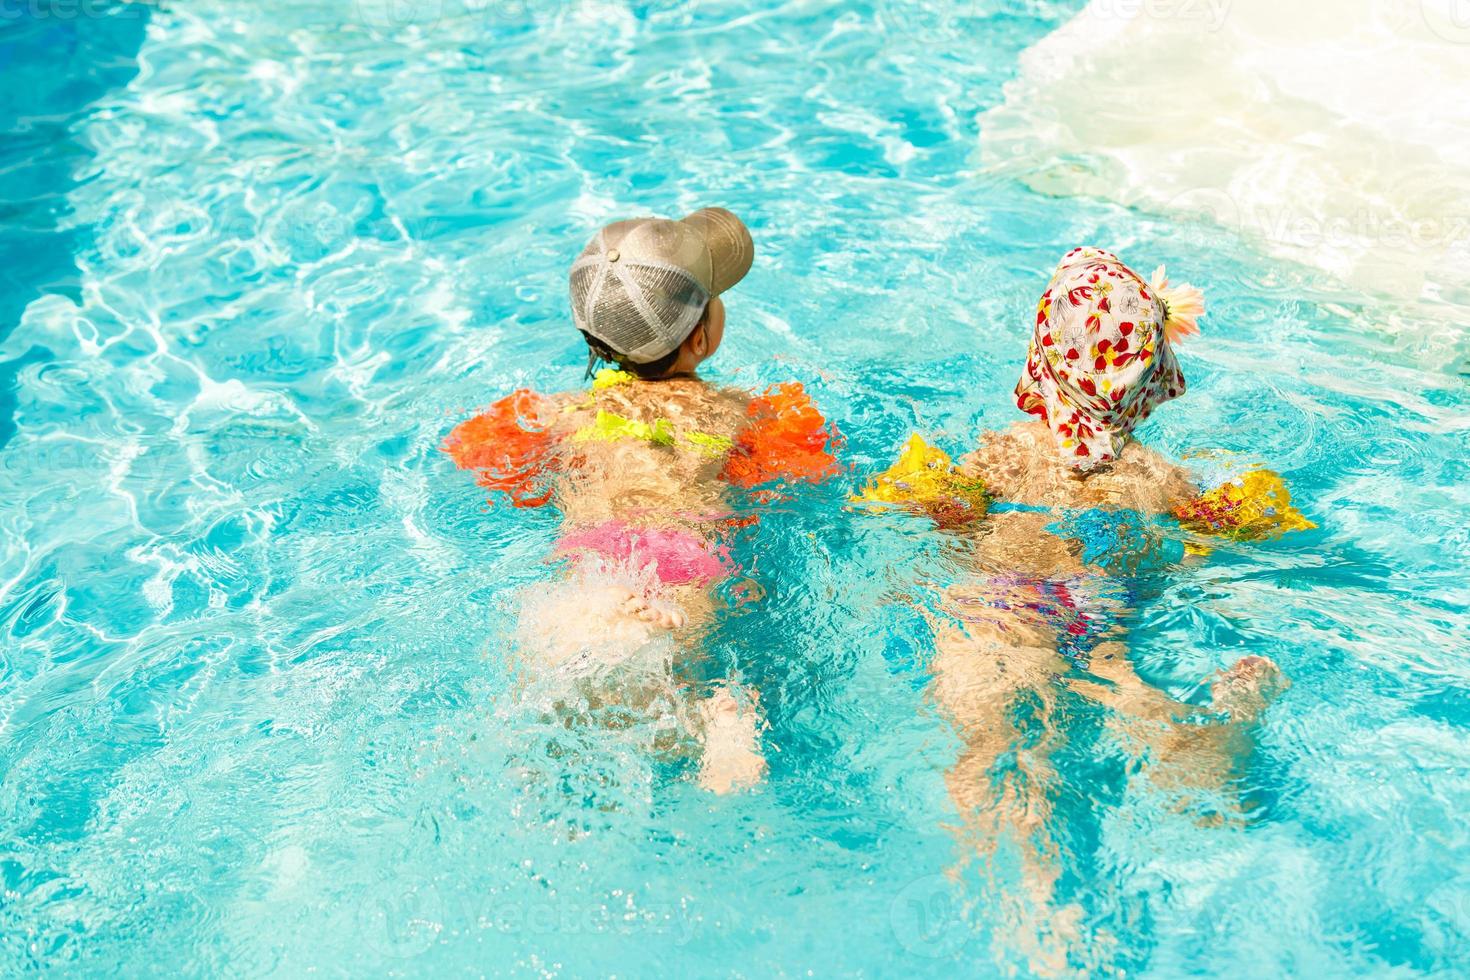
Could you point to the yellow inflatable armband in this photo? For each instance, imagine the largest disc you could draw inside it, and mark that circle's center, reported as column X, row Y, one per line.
column 926, row 480
column 609, row 427
column 1250, row 507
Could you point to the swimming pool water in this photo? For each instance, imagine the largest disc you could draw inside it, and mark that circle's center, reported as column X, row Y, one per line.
column 256, row 709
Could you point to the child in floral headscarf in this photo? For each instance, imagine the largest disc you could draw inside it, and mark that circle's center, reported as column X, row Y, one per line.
column 1074, row 497
column 1069, row 522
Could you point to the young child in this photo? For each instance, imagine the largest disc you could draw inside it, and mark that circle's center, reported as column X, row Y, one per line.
column 644, row 468
column 1063, row 514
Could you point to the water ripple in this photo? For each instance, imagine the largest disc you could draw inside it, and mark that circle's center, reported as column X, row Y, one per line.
column 259, row 709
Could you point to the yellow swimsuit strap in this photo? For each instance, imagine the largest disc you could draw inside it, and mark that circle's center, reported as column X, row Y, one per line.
column 708, row 443
column 609, row 426
column 611, row 378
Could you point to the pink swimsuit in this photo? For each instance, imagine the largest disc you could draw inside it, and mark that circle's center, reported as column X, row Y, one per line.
column 678, row 557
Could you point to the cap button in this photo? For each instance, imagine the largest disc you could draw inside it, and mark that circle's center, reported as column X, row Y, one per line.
column 612, row 255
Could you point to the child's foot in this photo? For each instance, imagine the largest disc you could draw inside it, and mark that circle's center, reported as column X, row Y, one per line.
column 1245, row 689
column 732, row 758
column 651, row 611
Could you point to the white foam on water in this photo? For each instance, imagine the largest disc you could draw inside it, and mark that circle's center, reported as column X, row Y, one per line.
column 1334, row 133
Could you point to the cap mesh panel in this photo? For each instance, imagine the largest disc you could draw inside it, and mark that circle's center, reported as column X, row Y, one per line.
column 641, row 311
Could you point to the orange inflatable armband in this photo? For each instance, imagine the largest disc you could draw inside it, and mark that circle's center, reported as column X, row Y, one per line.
column 509, row 447
column 786, row 439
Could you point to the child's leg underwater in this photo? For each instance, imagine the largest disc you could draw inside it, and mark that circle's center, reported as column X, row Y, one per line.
column 731, row 725
column 996, row 678
column 1241, row 692
column 1184, row 752
column 993, row 678
column 582, row 620
column 598, row 621
column 1004, row 659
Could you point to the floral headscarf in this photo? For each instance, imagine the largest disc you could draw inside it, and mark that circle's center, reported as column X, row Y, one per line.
column 1100, row 359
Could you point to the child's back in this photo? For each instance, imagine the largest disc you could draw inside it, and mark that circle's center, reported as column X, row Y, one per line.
column 1020, row 464
column 649, row 452
column 1021, row 471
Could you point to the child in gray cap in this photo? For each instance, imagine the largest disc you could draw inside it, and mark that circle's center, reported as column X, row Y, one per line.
column 646, row 468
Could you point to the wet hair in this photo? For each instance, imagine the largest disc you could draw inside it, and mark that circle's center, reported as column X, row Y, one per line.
column 652, row 370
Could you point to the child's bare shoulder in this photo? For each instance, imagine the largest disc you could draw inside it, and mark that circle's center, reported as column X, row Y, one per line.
column 1155, row 477
column 1004, row 458
column 688, row 403
column 1020, row 464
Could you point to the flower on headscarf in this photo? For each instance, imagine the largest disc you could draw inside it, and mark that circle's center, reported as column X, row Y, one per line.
column 1183, row 306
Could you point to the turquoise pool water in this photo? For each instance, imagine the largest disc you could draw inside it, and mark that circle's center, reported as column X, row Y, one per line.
column 256, row 710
